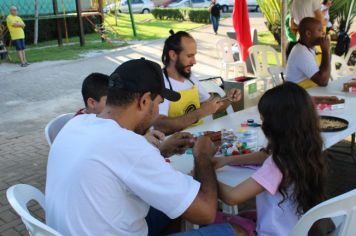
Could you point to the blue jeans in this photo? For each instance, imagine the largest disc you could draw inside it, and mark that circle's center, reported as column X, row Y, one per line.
column 157, row 221
column 215, row 22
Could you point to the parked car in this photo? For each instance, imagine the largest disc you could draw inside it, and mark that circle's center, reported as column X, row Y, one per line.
column 108, row 8
column 186, row 3
column 138, row 6
column 253, row 5
column 229, row 4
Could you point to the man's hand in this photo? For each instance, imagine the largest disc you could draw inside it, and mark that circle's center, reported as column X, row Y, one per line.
column 234, row 95
column 155, row 137
column 325, row 44
column 211, row 106
column 204, row 148
column 177, row 143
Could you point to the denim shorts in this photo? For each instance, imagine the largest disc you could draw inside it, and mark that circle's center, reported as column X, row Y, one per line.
column 209, row 230
column 157, row 221
column 19, row 44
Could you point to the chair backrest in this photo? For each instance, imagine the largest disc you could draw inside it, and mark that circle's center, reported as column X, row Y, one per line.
column 277, row 73
column 338, row 67
column 224, row 50
column 55, row 125
column 259, row 58
column 343, row 205
column 19, row 196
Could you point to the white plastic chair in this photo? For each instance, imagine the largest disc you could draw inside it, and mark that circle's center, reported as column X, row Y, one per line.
column 259, row 58
column 277, row 73
column 226, row 57
column 341, row 206
column 19, row 196
column 337, row 61
column 55, row 125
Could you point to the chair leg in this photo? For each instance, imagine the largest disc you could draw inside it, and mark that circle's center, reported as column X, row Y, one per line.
column 353, row 153
column 226, row 72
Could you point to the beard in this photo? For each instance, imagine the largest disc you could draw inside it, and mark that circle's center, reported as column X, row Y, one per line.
column 146, row 123
column 181, row 69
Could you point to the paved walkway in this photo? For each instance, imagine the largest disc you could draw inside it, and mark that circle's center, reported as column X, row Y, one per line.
column 31, row 96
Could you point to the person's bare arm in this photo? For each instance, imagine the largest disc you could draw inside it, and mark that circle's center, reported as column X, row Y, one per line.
column 18, row 25
column 293, row 26
column 241, row 193
column 319, row 15
column 321, row 78
column 256, row 158
column 170, row 125
column 203, row 209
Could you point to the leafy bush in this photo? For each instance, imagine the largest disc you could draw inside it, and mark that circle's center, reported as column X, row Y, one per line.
column 339, row 11
column 199, row 15
column 271, row 10
column 168, row 14
column 195, row 15
column 48, row 28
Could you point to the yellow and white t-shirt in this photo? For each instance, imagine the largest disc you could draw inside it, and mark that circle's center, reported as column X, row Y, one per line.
column 15, row 32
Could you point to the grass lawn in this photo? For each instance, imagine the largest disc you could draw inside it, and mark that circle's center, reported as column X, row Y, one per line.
column 147, row 29
column 146, row 26
column 266, row 38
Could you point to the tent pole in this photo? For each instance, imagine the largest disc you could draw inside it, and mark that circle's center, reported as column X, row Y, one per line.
column 283, row 32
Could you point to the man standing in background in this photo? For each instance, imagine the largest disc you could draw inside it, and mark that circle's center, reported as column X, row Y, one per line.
column 214, row 10
column 16, row 25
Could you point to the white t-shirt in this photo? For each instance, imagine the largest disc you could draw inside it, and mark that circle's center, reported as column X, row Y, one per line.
column 272, row 219
column 304, row 8
column 101, row 180
column 179, row 86
column 325, row 10
column 301, row 64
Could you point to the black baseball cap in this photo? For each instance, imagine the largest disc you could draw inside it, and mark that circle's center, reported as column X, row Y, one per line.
column 141, row 75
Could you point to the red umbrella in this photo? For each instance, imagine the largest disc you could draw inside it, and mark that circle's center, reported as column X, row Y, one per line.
column 241, row 23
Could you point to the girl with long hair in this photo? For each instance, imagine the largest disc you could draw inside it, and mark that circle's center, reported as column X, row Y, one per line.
column 291, row 179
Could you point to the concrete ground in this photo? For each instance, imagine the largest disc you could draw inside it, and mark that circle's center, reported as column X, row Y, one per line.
column 32, row 96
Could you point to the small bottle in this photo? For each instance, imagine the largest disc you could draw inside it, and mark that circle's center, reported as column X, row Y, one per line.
column 247, row 137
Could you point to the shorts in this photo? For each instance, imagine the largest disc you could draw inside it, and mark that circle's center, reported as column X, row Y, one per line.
column 19, row 44
column 209, row 230
column 157, row 221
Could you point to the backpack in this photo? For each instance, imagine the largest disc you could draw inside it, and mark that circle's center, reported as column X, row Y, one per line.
column 343, row 43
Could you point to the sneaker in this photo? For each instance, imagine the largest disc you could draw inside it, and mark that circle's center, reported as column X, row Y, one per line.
column 27, row 64
column 23, row 65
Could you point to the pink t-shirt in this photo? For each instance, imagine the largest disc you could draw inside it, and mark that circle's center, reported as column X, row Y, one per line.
column 273, row 219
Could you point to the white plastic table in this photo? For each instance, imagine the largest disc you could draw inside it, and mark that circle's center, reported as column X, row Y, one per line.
column 230, row 175
column 235, row 175
column 348, row 113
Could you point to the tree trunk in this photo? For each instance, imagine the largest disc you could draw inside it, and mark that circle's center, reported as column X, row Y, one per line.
column 35, row 37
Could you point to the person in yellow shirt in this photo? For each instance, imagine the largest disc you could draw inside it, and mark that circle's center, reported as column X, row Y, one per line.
column 16, row 25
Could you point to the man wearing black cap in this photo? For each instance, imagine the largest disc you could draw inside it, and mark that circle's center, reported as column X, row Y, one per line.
column 103, row 175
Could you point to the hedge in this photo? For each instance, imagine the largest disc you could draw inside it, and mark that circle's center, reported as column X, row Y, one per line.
column 168, row 14
column 198, row 15
column 48, row 29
